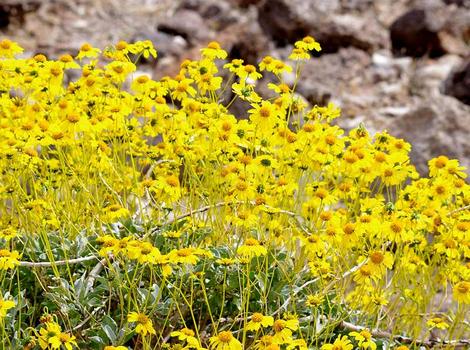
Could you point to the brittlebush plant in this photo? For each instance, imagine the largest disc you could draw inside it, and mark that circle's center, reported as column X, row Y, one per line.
column 142, row 214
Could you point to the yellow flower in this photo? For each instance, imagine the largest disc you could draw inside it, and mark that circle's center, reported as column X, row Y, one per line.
column 251, row 248
column 283, row 330
column 8, row 260
column 380, row 261
column 246, row 92
column 234, row 66
column 120, row 347
column 144, row 324
column 299, row 54
column 118, row 71
column 8, row 233
column 68, row 341
column 226, row 261
column 144, row 252
column 5, row 305
column 265, row 342
column 213, row 50
column 114, row 212
column 340, row 343
column 86, row 50
column 187, row 335
column 188, row 255
column 297, row 344
column 437, row 322
column 461, row 292
column 364, row 339
column 224, row 341
column 182, row 89
column 49, row 336
column 365, row 275
column 264, row 116
column 257, row 321
column 68, row 62
column 308, row 43
column 314, row 300
column 248, row 72
column 9, row 49
column 443, row 166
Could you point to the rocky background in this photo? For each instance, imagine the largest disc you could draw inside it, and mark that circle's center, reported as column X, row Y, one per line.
column 401, row 65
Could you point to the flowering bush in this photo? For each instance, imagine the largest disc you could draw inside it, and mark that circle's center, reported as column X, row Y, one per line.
column 143, row 214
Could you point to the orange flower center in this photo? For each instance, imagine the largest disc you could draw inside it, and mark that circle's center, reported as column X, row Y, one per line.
column 366, row 272
column 441, row 162
column 264, row 112
column 279, row 325
column 225, row 336
column 463, row 287
column 188, row 332
column 251, row 242
column 396, row 227
column 214, row 45
column 348, row 228
column 321, row 193
column 5, row 44
column 440, row 189
column 376, row 257
column 172, row 181
column 184, row 252
column 242, row 186
column 257, row 317
column 226, row 126
column 142, row 319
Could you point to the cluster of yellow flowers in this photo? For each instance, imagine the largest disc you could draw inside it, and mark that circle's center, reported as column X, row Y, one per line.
column 160, row 176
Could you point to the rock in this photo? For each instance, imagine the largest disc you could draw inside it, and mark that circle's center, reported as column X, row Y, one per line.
column 435, row 126
column 287, row 21
column 461, row 3
column 455, row 34
column 414, row 34
column 356, row 5
column 281, row 22
column 428, row 76
column 13, row 12
column 245, row 3
column 332, row 75
column 217, row 15
column 245, row 40
column 188, row 24
column 386, row 68
column 432, row 30
column 457, row 83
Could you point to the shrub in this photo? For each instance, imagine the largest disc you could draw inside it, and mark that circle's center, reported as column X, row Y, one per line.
column 144, row 214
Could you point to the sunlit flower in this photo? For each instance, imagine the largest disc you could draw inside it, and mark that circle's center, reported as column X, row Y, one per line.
column 437, row 322
column 258, row 320
column 340, row 343
column 224, row 341
column 5, row 305
column 251, row 248
column 144, row 324
column 461, row 292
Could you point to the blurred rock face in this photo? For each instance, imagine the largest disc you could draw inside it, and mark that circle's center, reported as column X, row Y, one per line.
column 396, row 64
column 457, row 83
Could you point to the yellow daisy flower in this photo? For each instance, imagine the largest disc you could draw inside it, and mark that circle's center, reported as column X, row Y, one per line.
column 144, row 324
column 257, row 321
column 224, row 341
column 461, row 292
column 340, row 343
column 251, row 248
